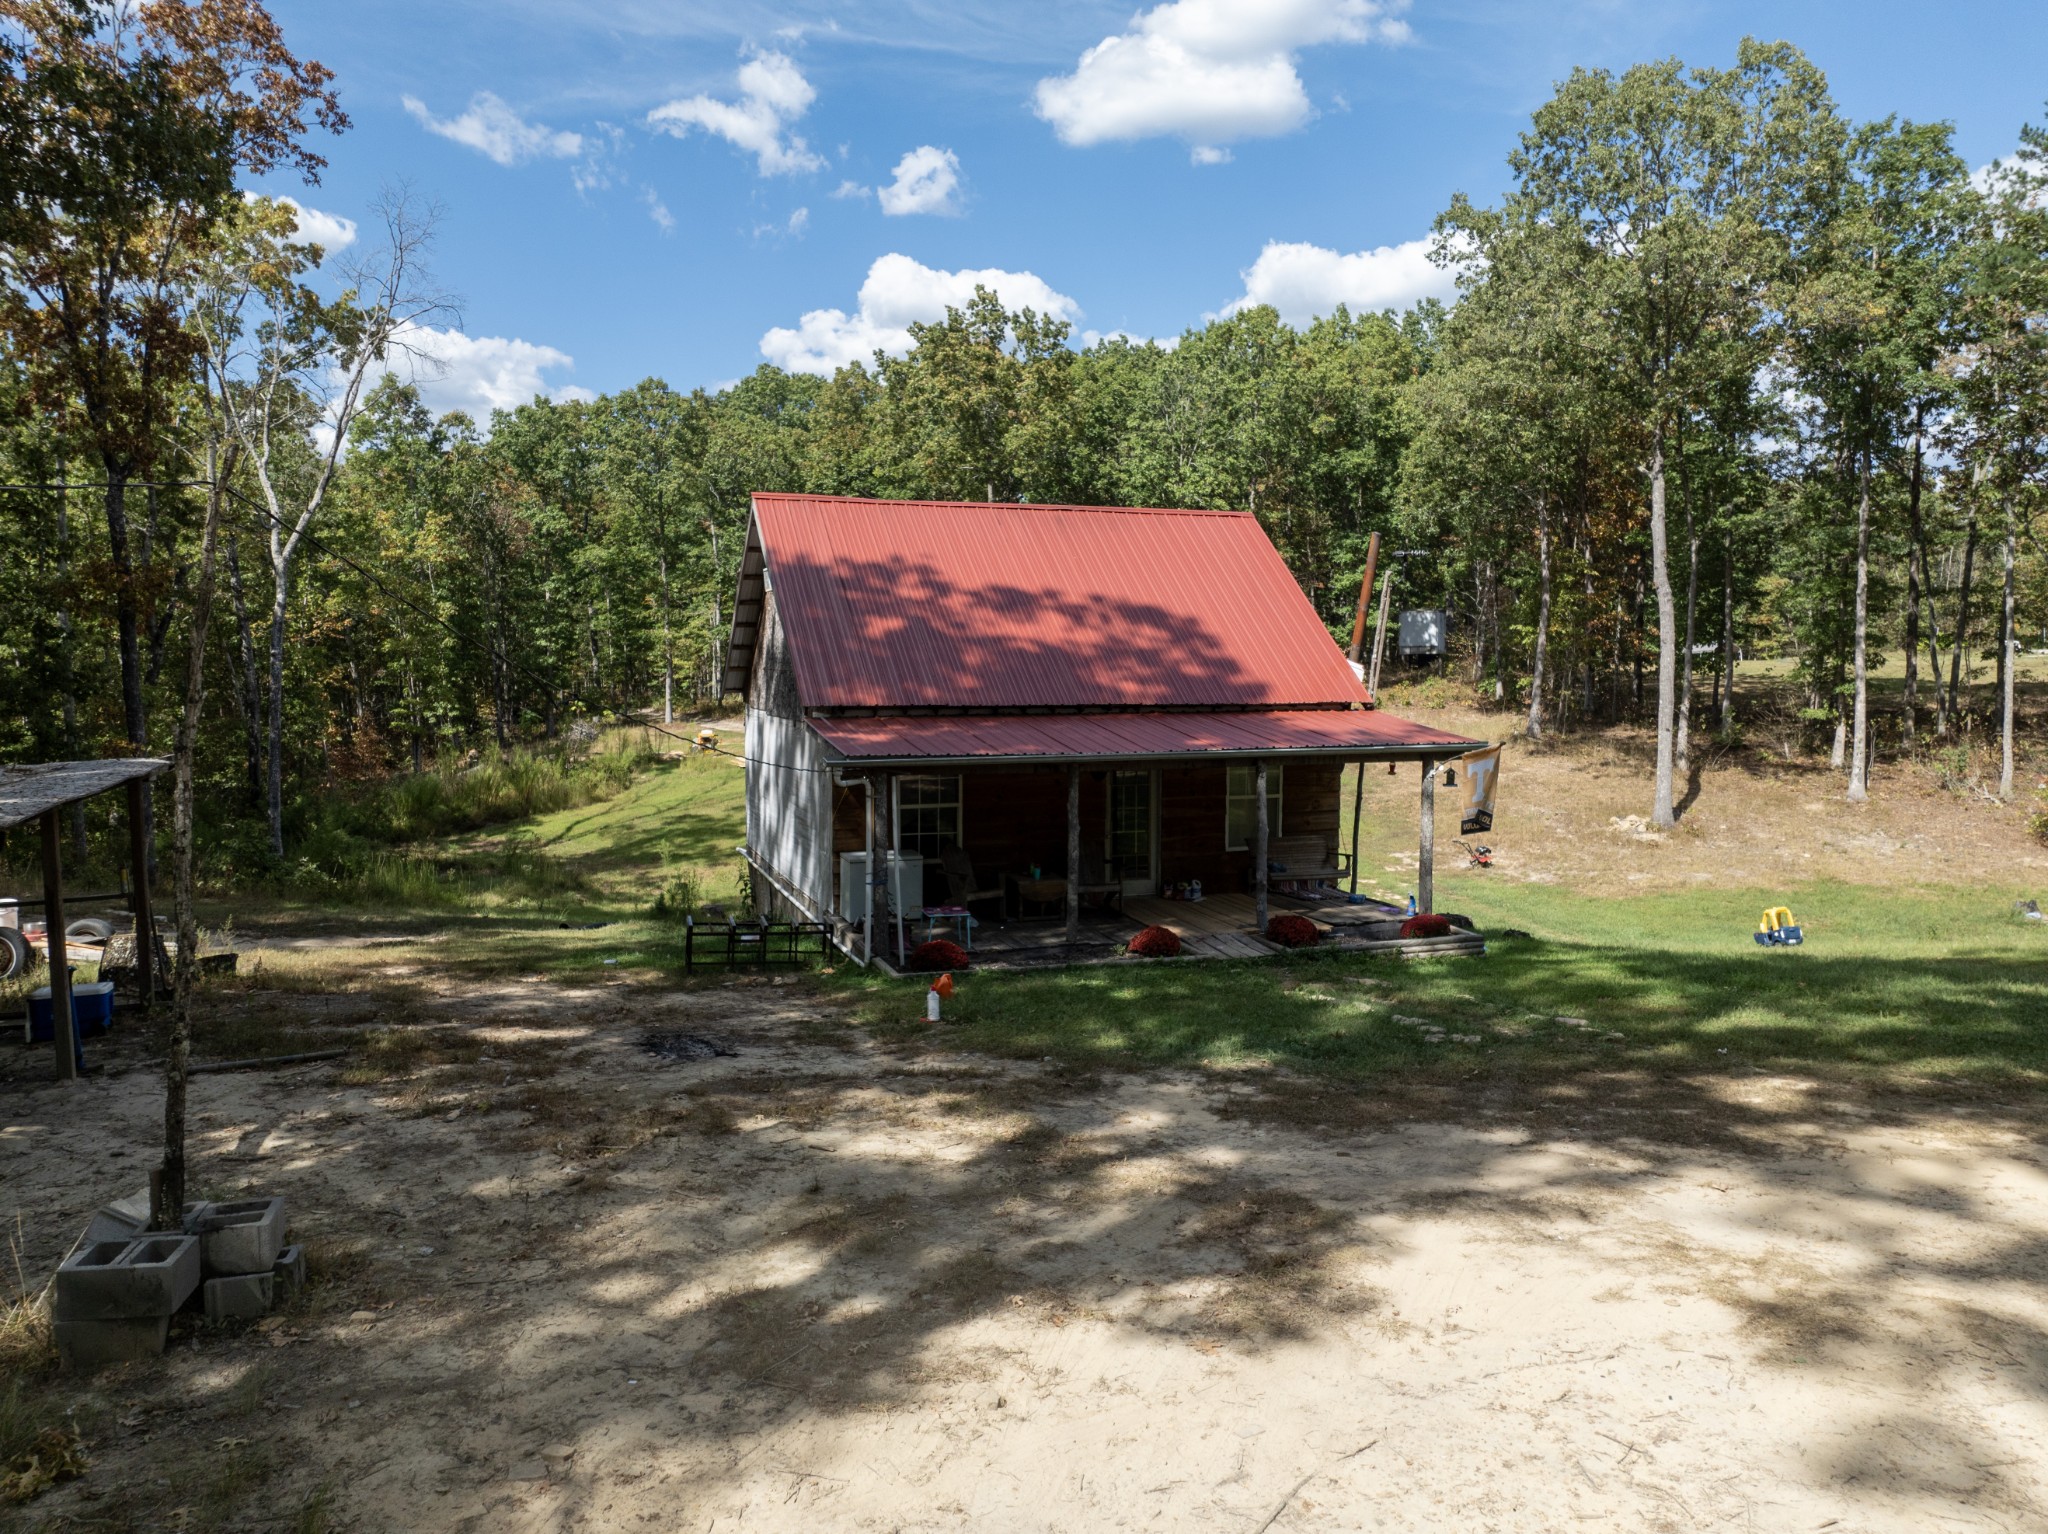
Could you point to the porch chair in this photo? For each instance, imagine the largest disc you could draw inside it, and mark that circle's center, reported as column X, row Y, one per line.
column 1099, row 882
column 962, row 887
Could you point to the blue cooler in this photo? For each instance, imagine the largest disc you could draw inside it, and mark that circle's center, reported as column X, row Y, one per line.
column 92, row 1008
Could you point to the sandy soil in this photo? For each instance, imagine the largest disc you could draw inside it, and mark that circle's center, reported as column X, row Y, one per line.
column 824, row 1284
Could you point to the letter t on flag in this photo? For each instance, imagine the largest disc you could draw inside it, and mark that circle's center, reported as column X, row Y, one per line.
column 1482, row 769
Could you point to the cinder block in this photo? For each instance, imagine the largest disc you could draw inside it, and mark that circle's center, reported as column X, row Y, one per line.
column 242, row 1238
column 290, row 1272
column 89, row 1345
column 239, row 1297
column 123, row 1280
column 127, row 1218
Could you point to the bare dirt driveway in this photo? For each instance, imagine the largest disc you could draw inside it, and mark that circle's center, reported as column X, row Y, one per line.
column 826, row 1282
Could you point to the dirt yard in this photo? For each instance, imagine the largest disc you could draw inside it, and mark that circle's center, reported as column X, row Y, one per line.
column 828, row 1283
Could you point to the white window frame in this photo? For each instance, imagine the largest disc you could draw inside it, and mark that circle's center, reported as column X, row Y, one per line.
column 1247, row 796
column 957, row 804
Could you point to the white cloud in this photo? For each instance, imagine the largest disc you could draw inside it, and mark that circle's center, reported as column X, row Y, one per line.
column 658, row 210
column 851, row 188
column 926, row 180
column 773, row 95
column 1208, row 71
column 330, row 231
column 897, row 293
column 479, row 374
column 492, row 128
column 799, row 221
column 1209, row 154
column 1304, row 281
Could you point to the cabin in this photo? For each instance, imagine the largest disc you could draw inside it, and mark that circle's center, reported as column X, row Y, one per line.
column 1027, row 725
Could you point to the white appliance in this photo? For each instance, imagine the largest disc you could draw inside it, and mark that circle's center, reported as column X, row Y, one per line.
column 906, row 884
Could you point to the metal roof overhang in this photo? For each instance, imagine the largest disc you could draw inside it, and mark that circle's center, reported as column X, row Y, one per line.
column 970, row 739
column 27, row 792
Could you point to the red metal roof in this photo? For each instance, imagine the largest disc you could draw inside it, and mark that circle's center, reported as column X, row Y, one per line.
column 937, row 604
column 1096, row 737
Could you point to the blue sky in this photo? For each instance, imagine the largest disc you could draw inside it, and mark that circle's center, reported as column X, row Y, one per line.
column 684, row 189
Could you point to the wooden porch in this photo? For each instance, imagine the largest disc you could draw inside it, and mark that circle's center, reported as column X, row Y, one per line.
column 1217, row 927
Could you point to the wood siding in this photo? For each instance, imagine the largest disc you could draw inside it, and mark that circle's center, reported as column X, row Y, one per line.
column 789, row 806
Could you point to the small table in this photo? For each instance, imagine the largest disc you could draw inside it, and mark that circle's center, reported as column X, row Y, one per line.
column 1041, row 892
column 958, row 915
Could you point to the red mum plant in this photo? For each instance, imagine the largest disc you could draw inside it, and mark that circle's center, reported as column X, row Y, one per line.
column 930, row 958
column 1426, row 925
column 1155, row 943
column 1292, row 931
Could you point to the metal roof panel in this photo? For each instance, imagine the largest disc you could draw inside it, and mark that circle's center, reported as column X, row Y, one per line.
column 936, row 604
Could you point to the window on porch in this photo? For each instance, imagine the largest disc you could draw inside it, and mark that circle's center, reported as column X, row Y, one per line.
column 928, row 813
column 1241, row 805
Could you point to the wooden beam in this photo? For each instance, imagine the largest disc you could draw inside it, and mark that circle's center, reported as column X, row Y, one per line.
column 1425, row 878
column 146, row 948
column 1357, row 809
column 1074, row 853
column 63, row 1030
column 1260, row 844
column 871, row 873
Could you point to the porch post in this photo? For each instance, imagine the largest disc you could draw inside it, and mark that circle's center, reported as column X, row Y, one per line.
column 1074, row 853
column 1425, row 878
column 63, row 1029
column 138, row 895
column 867, row 904
column 1357, row 809
column 1259, row 844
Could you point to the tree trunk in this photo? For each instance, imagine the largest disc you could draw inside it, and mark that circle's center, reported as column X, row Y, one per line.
column 249, row 689
column 668, row 650
column 1933, row 637
column 1859, row 745
column 67, row 655
column 1661, row 812
column 1909, row 695
column 1542, row 654
column 1725, row 683
column 2008, row 653
column 275, row 785
column 170, row 1199
column 1959, row 641
column 127, row 624
column 1682, row 748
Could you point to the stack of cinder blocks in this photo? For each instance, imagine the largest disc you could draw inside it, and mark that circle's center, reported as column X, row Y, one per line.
column 114, row 1297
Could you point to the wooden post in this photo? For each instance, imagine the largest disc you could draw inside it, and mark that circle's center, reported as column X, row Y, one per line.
column 1074, row 853
column 1379, row 638
column 890, row 877
column 63, row 1030
column 1372, row 559
column 1425, row 878
column 138, row 893
column 1259, row 844
column 1357, row 809
column 868, row 872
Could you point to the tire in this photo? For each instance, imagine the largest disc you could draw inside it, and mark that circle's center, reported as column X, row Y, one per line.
column 15, row 954
column 90, row 929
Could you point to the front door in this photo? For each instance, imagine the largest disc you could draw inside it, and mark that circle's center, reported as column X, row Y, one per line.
column 1133, row 830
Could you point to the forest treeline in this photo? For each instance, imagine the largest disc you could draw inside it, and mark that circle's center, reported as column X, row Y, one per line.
column 1726, row 372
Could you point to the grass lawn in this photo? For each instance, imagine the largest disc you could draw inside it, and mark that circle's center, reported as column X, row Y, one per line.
column 1892, row 986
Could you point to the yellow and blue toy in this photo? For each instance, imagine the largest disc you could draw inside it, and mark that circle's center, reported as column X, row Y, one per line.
column 1778, row 929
